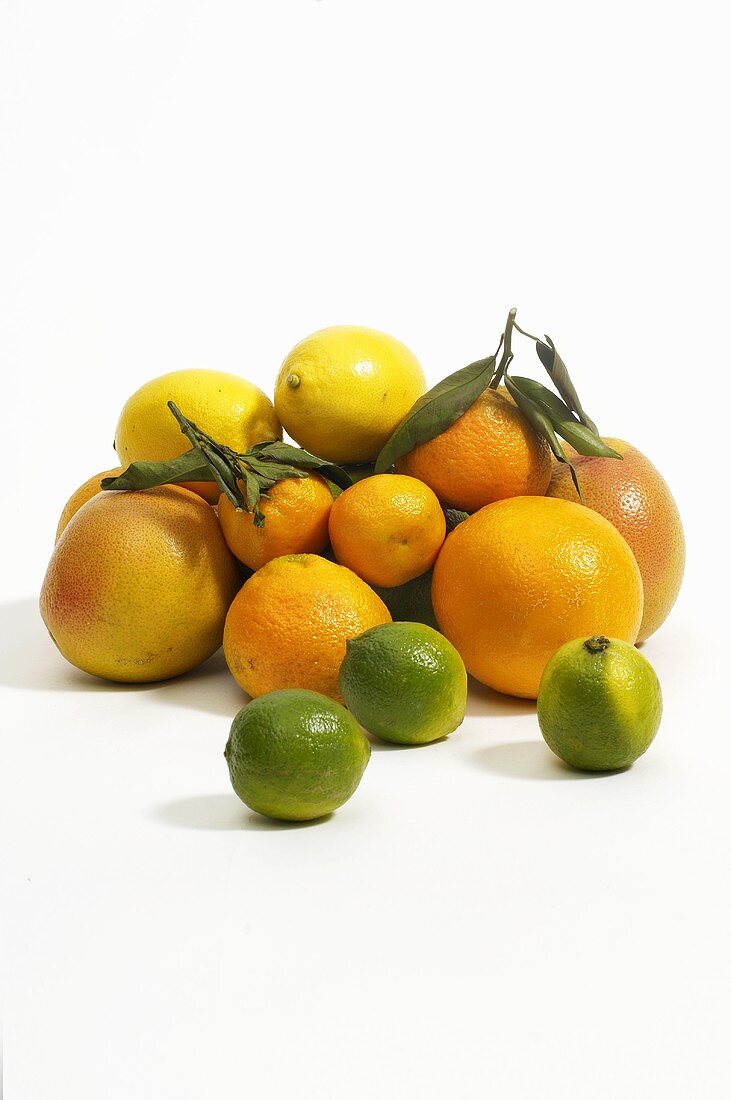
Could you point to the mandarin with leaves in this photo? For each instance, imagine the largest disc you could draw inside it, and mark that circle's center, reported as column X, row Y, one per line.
column 295, row 521
column 489, row 453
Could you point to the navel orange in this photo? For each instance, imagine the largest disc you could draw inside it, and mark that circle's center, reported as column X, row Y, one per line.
column 522, row 576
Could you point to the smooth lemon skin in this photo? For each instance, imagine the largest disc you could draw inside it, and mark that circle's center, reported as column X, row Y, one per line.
column 295, row 755
column 599, row 708
column 405, row 683
column 228, row 408
column 85, row 492
column 342, row 392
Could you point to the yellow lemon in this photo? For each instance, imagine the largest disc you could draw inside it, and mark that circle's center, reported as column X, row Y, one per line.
column 342, row 391
column 228, row 408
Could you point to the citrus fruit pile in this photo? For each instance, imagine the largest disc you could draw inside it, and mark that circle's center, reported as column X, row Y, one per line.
column 358, row 570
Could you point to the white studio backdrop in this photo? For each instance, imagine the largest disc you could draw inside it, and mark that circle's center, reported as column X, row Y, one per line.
column 203, row 184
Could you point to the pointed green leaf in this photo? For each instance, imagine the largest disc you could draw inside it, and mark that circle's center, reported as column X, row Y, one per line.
column 559, row 375
column 224, row 475
column 251, row 488
column 454, row 516
column 191, row 466
column 437, row 410
column 540, row 420
column 296, row 456
column 335, row 489
column 582, row 438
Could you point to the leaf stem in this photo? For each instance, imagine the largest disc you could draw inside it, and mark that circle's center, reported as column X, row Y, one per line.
column 522, row 332
column 507, row 356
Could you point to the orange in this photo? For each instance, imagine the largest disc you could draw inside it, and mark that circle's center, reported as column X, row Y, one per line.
column 491, row 452
column 522, row 576
column 388, row 529
column 289, row 625
column 295, row 514
column 84, row 492
column 139, row 584
column 633, row 496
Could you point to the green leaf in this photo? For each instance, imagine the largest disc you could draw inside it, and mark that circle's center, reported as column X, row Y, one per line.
column 224, row 474
column 191, row 466
column 335, row 489
column 252, row 489
column 454, row 516
column 585, row 441
column 582, row 438
column 540, row 420
column 559, row 375
column 437, row 410
column 296, row 456
column 275, row 471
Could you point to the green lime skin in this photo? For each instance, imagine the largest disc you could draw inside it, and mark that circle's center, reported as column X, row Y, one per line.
column 405, row 683
column 411, row 602
column 599, row 704
column 295, row 755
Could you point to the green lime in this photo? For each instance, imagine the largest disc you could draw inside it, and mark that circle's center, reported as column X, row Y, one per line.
column 404, row 682
column 295, row 755
column 411, row 602
column 599, row 704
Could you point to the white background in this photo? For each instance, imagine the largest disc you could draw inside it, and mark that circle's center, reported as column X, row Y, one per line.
column 202, row 184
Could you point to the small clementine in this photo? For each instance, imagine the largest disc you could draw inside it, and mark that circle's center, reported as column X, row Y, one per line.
column 289, row 624
column 295, row 512
column 388, row 529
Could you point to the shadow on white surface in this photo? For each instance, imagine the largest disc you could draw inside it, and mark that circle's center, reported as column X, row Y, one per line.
column 391, row 746
column 30, row 661
column 221, row 813
column 528, row 760
column 483, row 702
